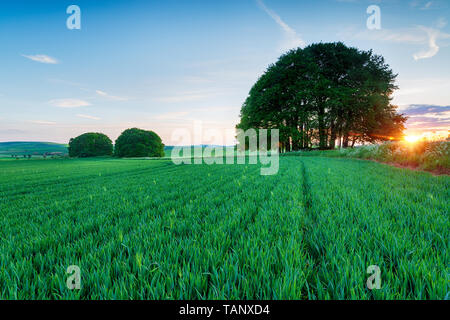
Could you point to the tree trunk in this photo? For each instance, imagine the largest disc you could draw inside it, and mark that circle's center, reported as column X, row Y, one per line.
column 322, row 132
column 302, row 138
column 307, row 136
column 345, row 140
column 333, row 135
column 340, row 138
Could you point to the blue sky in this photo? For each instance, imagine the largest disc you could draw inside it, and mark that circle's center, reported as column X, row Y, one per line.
column 160, row 65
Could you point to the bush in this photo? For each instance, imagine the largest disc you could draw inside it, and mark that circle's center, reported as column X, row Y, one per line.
column 90, row 145
column 437, row 155
column 139, row 143
column 427, row 155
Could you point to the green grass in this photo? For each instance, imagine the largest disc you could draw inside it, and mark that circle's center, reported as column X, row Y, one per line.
column 194, row 150
column 143, row 229
column 424, row 155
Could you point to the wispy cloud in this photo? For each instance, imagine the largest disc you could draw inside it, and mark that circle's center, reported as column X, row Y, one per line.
column 42, row 122
column 441, row 23
column 86, row 116
column 433, row 48
column 422, row 90
column 65, row 82
column 171, row 115
column 195, row 114
column 69, row 103
column 292, row 39
column 42, row 58
column 421, row 4
column 427, row 5
column 184, row 97
column 433, row 111
column 419, row 35
column 427, row 118
column 110, row 97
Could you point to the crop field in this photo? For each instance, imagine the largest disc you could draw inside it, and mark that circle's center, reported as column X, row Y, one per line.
column 33, row 148
column 149, row 229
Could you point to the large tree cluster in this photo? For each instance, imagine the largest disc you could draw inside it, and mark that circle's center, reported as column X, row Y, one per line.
column 131, row 143
column 136, row 142
column 90, row 144
column 323, row 95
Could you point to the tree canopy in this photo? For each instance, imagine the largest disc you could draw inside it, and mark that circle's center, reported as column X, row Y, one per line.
column 323, row 94
column 139, row 143
column 90, row 145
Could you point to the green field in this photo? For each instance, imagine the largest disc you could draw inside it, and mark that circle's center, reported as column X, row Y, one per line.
column 148, row 229
column 33, row 148
column 37, row 149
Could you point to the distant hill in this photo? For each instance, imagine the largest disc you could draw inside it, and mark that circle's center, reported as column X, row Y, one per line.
column 34, row 148
column 39, row 148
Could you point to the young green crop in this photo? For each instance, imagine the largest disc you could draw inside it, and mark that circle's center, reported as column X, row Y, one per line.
column 369, row 214
column 148, row 229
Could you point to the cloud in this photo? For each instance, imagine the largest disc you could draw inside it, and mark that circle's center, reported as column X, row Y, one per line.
column 184, row 97
column 86, row 116
column 419, row 35
column 171, row 115
column 427, row 5
column 441, row 23
column 110, row 97
column 195, row 114
column 433, row 35
column 42, row 58
column 422, row 5
column 69, row 83
column 42, row 122
column 83, row 87
column 292, row 39
column 422, row 90
column 399, row 36
column 69, row 103
column 196, row 80
column 427, row 118
column 433, row 111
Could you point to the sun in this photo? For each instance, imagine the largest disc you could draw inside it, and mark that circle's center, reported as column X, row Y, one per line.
column 412, row 139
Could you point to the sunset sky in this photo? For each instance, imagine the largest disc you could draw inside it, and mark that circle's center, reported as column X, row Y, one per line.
column 160, row 65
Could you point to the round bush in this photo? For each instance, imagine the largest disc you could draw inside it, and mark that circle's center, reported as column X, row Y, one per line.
column 90, row 145
column 139, row 143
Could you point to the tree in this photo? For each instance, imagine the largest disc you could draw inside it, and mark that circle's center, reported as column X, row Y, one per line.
column 90, row 145
column 139, row 143
column 323, row 94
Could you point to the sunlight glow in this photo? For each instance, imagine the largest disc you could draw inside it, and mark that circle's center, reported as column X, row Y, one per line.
column 412, row 139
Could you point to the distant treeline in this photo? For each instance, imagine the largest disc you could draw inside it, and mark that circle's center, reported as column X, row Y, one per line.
column 25, row 148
